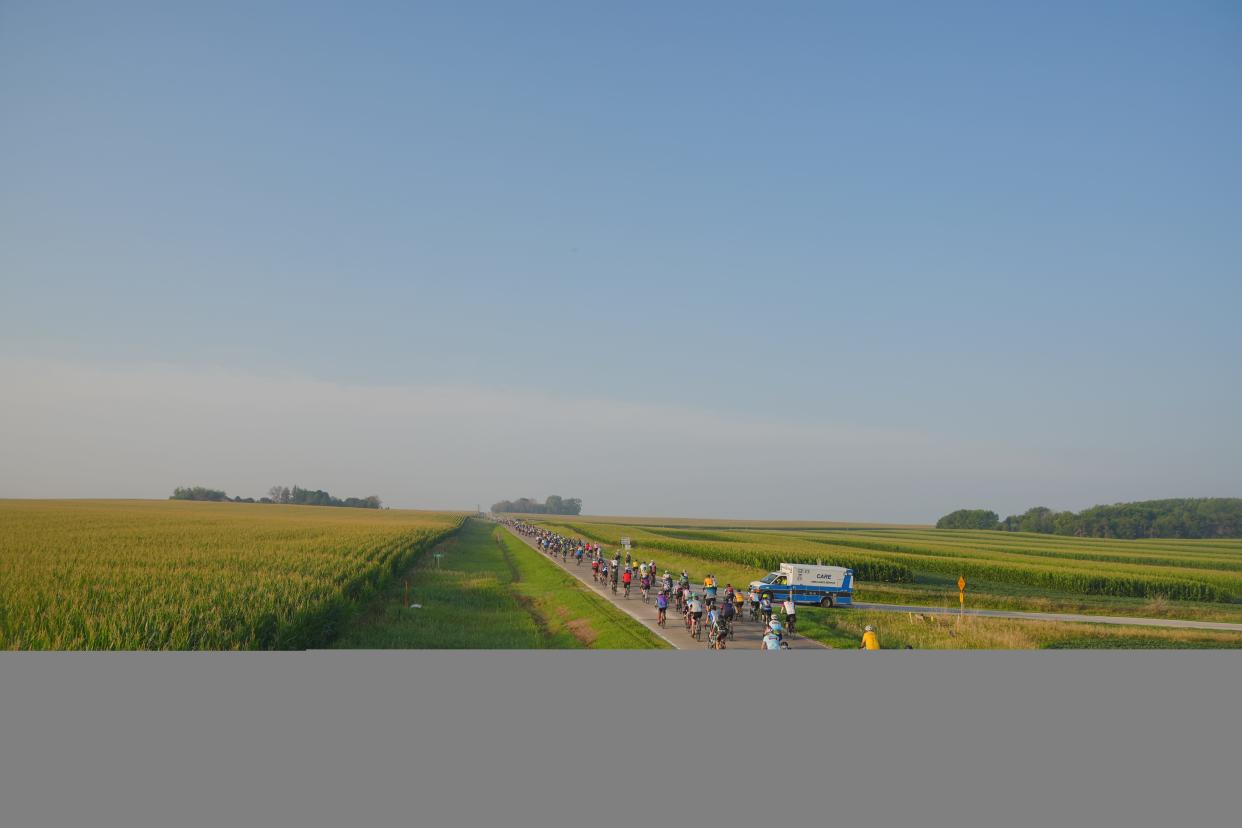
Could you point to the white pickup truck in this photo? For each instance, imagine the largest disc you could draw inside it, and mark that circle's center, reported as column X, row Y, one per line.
column 826, row 586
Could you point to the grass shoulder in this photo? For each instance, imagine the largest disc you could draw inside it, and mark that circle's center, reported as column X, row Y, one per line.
column 483, row 589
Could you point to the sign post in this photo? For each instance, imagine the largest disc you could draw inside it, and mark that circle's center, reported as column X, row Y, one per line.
column 961, row 592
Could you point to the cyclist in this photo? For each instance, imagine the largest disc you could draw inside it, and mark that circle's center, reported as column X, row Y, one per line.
column 684, row 580
column 578, row 555
column 719, row 628
column 727, row 611
column 709, row 590
column 695, row 608
column 644, row 583
column 595, row 569
column 869, row 640
column 791, row 613
column 603, row 572
column 754, row 605
column 775, row 626
column 765, row 608
column 661, row 607
column 771, row 641
column 739, row 601
column 626, row 578
column 616, row 575
column 668, row 582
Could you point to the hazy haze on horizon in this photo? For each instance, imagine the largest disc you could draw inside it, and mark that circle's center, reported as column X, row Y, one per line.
column 705, row 259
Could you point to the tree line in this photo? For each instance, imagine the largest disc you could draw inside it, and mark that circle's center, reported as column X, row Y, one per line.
column 279, row 494
column 554, row 505
column 1206, row 517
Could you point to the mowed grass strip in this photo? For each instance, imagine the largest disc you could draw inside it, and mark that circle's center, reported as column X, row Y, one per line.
column 488, row 590
column 567, row 607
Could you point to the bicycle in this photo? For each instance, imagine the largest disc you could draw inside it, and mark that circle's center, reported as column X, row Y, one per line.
column 661, row 617
column 646, row 595
column 697, row 631
column 627, row 590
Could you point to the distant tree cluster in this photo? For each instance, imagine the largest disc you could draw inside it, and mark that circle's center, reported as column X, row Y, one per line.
column 1208, row 517
column 554, row 505
column 318, row 497
column 279, row 494
column 197, row 493
column 969, row 519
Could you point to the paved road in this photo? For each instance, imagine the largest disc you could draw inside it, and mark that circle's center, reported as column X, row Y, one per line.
column 1060, row 616
column 746, row 634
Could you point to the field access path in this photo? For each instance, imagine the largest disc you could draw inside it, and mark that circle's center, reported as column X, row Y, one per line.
column 747, row 634
column 1128, row 621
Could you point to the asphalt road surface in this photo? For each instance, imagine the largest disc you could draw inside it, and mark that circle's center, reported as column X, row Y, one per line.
column 746, row 634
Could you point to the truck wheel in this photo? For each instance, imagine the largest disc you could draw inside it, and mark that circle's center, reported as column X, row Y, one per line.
column 826, row 602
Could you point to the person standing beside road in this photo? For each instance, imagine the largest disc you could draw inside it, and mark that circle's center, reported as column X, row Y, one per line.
column 870, row 641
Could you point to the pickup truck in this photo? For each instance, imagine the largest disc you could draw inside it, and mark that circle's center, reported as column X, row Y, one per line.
column 826, row 586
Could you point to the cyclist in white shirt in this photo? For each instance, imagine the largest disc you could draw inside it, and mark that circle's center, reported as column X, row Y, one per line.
column 791, row 610
column 696, row 612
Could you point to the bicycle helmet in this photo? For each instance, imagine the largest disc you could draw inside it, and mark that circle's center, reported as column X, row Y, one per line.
column 868, row 628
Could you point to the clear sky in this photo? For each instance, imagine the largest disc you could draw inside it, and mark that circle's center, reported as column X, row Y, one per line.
column 817, row 260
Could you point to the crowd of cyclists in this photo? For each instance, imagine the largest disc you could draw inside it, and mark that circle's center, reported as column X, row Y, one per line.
column 709, row 611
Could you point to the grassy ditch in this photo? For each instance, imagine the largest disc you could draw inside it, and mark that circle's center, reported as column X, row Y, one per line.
column 487, row 590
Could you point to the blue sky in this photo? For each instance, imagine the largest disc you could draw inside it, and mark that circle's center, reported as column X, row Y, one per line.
column 1010, row 229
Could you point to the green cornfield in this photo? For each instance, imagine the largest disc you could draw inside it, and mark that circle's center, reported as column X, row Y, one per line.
column 1192, row 570
column 176, row 575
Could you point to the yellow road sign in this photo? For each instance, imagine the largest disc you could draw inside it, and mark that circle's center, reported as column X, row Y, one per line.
column 961, row 584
